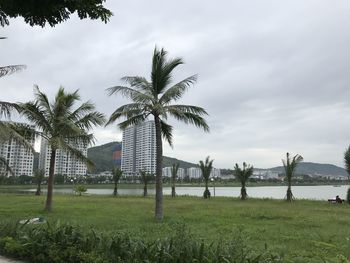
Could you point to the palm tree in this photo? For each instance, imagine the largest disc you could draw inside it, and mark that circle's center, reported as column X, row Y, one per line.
column 146, row 177
column 289, row 168
column 174, row 170
column 63, row 126
column 347, row 167
column 243, row 175
column 117, row 174
column 154, row 98
column 39, row 176
column 206, row 168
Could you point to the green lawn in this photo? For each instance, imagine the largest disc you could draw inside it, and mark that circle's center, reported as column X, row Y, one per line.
column 303, row 227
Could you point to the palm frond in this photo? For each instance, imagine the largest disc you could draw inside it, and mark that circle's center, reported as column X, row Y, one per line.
column 33, row 112
column 90, row 119
column 132, row 121
column 206, row 167
column 128, row 111
column 130, row 93
column 7, row 107
column 177, row 91
column 167, row 132
column 4, row 165
column 188, row 118
column 7, row 70
column 139, row 83
column 71, row 149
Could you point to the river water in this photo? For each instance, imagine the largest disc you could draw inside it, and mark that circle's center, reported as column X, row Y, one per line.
column 321, row 192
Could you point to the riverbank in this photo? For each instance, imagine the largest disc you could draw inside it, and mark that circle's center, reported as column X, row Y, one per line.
column 303, row 227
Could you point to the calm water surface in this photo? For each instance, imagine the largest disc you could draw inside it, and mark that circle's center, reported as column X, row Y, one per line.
column 322, row 192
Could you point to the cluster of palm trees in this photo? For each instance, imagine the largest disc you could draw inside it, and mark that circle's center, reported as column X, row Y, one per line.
column 63, row 123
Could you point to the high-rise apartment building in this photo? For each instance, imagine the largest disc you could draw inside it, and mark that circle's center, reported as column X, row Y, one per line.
column 18, row 157
column 65, row 164
column 139, row 149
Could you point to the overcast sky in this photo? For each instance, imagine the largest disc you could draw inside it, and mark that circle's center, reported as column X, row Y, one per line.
column 273, row 75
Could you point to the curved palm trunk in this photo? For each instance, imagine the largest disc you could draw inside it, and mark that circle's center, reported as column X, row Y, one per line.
column 48, row 205
column 159, row 181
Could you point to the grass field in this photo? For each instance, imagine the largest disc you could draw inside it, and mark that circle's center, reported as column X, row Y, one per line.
column 299, row 228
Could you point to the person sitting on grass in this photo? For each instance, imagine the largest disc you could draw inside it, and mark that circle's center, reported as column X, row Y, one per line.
column 338, row 200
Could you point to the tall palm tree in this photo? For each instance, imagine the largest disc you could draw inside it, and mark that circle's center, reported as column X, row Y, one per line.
column 63, row 126
column 206, row 168
column 290, row 164
column 117, row 174
column 243, row 175
column 154, row 98
column 174, row 169
column 347, row 167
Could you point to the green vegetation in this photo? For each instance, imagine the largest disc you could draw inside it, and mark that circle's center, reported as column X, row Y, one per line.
column 243, row 175
column 299, row 230
column 206, row 168
column 155, row 99
column 290, row 165
column 62, row 125
column 39, row 176
column 80, row 189
column 52, row 12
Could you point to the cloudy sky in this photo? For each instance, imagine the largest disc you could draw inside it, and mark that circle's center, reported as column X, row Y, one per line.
column 273, row 75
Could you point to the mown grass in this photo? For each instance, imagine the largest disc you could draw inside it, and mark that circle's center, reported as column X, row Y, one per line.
column 299, row 228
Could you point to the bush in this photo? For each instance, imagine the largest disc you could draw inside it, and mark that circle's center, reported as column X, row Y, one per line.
column 66, row 243
column 206, row 193
column 348, row 196
column 80, row 189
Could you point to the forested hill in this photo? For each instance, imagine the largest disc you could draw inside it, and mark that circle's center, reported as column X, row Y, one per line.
column 315, row 169
column 102, row 157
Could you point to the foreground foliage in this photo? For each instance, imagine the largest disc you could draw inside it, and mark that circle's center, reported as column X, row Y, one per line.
column 305, row 229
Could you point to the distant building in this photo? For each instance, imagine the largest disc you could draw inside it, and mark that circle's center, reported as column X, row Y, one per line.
column 18, row 157
column 139, row 149
column 180, row 172
column 117, row 155
column 194, row 173
column 65, row 163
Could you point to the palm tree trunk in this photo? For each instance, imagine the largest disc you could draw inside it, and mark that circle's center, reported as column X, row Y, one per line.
column 243, row 192
column 38, row 189
column 115, row 192
column 48, row 205
column 289, row 190
column 145, row 190
column 159, row 181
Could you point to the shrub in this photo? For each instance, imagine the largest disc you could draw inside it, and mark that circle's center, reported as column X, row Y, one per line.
column 66, row 243
column 80, row 189
column 348, row 196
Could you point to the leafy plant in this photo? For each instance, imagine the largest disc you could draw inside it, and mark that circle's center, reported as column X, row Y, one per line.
column 243, row 175
column 80, row 189
column 290, row 164
column 206, row 168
